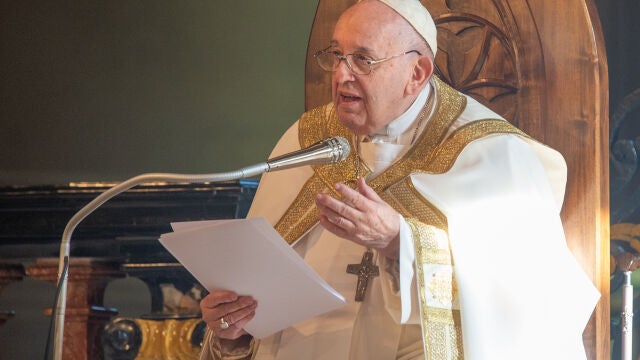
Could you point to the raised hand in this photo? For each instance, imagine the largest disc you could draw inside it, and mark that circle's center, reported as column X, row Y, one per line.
column 362, row 217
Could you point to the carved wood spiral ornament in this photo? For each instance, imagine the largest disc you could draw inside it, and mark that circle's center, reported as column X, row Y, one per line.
column 476, row 56
column 477, row 42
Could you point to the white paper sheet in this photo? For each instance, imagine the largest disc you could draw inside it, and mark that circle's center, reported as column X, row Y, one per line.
column 249, row 257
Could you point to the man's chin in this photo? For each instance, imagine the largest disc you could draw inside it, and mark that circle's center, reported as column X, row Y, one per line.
column 354, row 127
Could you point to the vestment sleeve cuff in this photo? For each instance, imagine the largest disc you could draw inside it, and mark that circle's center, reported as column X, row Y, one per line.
column 215, row 348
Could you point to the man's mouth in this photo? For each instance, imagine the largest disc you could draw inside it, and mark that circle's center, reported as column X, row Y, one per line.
column 349, row 98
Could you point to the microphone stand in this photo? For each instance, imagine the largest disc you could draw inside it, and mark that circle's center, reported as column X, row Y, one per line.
column 626, row 318
column 63, row 273
column 325, row 151
column 627, row 262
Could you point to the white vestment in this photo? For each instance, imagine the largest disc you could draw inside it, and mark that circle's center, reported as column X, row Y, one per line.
column 521, row 294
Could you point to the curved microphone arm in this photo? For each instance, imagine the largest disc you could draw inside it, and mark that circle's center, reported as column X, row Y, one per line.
column 326, row 151
column 245, row 172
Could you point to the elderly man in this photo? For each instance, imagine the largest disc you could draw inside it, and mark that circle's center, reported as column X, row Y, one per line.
column 457, row 210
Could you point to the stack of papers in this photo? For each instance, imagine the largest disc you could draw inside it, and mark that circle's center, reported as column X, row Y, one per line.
column 249, row 257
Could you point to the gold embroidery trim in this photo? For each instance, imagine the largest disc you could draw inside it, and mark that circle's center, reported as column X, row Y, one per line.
column 446, row 340
column 433, row 154
column 215, row 350
column 322, row 122
column 297, row 220
column 300, row 217
column 446, row 154
column 442, row 327
column 449, row 105
column 410, row 203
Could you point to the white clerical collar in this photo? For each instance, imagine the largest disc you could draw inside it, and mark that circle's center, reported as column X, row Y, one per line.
column 403, row 122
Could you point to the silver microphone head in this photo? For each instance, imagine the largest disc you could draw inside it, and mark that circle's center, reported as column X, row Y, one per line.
column 327, row 151
column 340, row 147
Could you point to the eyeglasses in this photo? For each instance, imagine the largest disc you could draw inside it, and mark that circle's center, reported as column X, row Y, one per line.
column 329, row 60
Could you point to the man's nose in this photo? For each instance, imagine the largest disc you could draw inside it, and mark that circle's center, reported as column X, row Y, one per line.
column 342, row 72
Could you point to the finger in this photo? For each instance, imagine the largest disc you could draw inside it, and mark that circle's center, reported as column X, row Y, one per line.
column 237, row 321
column 236, row 330
column 331, row 215
column 235, row 317
column 210, row 304
column 342, row 223
column 226, row 309
column 217, row 297
column 333, row 207
column 367, row 191
column 333, row 228
column 335, row 223
column 211, row 315
column 337, row 220
column 245, row 320
column 352, row 197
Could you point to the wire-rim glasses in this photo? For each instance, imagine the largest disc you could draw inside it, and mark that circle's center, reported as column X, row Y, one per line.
column 360, row 64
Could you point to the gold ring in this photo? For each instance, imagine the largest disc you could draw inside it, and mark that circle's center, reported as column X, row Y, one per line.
column 223, row 324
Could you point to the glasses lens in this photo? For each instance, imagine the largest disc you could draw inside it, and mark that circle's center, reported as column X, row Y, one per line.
column 327, row 60
column 359, row 64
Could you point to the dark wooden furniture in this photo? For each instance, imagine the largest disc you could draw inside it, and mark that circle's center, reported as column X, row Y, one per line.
column 119, row 239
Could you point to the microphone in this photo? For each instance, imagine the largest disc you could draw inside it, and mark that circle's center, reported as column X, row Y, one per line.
column 328, row 151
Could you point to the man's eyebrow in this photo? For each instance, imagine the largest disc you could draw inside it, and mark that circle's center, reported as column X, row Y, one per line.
column 359, row 49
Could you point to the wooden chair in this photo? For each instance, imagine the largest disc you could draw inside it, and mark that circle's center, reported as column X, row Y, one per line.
column 542, row 65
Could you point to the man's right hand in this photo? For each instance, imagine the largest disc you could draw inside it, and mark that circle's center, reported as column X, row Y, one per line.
column 236, row 310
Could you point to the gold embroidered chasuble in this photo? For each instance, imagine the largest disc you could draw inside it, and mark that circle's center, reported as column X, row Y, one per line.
column 434, row 152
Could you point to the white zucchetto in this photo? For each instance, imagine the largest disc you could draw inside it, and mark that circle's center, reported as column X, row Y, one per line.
column 419, row 17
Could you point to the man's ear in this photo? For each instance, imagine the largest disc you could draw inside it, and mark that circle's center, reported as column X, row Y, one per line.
column 421, row 74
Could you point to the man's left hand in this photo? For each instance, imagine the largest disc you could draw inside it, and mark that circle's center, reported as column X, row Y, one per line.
column 362, row 217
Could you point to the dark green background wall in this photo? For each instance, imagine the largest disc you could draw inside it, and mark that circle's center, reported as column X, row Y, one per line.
column 105, row 90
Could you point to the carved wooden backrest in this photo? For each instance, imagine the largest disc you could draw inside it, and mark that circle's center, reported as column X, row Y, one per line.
column 541, row 64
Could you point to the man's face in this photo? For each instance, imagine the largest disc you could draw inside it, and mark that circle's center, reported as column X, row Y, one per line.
column 367, row 103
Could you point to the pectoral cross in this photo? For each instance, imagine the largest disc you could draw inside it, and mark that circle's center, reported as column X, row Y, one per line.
column 365, row 270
